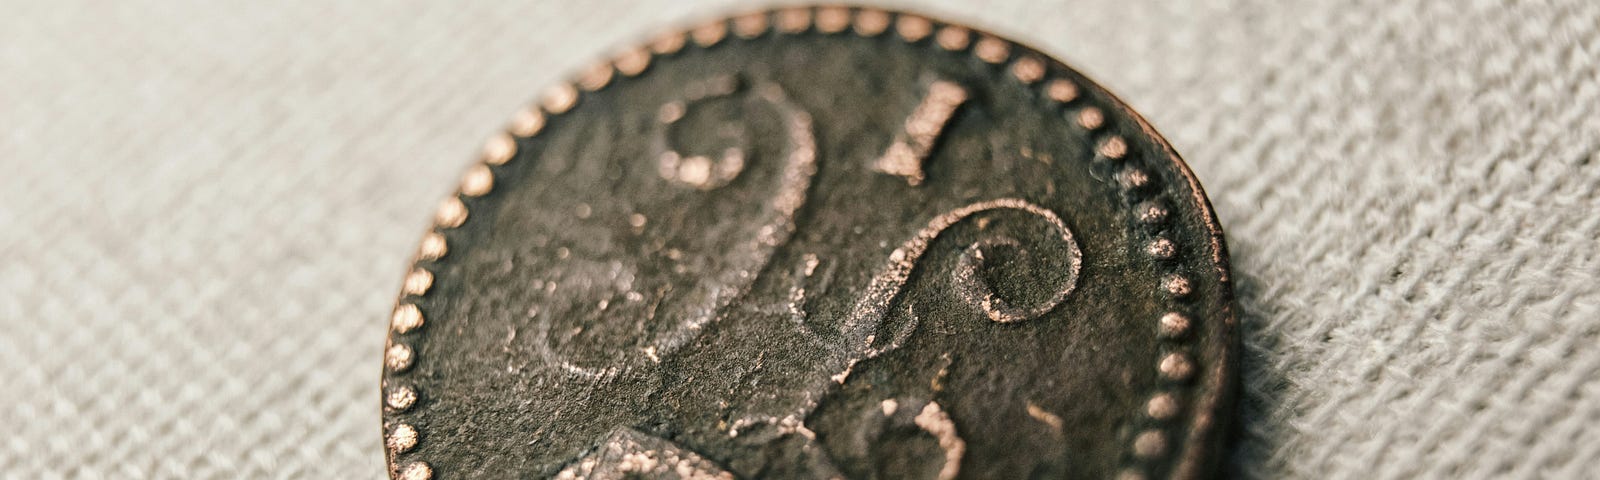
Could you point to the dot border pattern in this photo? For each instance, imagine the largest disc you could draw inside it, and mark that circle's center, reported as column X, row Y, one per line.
column 1147, row 446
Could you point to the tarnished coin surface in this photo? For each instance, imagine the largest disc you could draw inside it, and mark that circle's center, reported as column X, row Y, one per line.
column 817, row 243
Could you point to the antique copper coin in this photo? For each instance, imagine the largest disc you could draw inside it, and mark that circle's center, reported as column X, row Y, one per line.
column 817, row 243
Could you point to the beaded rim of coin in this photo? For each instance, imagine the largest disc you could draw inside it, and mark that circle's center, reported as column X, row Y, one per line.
column 1019, row 63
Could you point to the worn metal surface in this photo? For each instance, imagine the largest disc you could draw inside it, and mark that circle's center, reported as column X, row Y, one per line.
column 818, row 243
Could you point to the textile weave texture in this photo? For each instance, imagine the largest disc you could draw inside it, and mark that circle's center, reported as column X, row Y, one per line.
column 206, row 208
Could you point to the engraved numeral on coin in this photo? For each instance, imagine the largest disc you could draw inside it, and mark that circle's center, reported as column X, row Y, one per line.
column 706, row 300
column 910, row 148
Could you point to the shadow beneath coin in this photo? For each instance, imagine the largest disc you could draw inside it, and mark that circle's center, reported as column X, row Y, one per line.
column 1261, row 375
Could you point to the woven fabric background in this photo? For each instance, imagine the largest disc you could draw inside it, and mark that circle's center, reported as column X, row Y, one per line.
column 206, row 208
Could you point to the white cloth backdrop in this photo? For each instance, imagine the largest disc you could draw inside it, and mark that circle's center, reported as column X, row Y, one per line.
column 206, row 208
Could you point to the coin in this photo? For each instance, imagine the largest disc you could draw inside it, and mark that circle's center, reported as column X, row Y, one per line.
column 817, row 243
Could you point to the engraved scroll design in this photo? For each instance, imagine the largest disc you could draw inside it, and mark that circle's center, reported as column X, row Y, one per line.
column 873, row 307
column 855, row 341
column 629, row 451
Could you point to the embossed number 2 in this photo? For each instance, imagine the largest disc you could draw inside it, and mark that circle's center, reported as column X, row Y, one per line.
column 904, row 158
